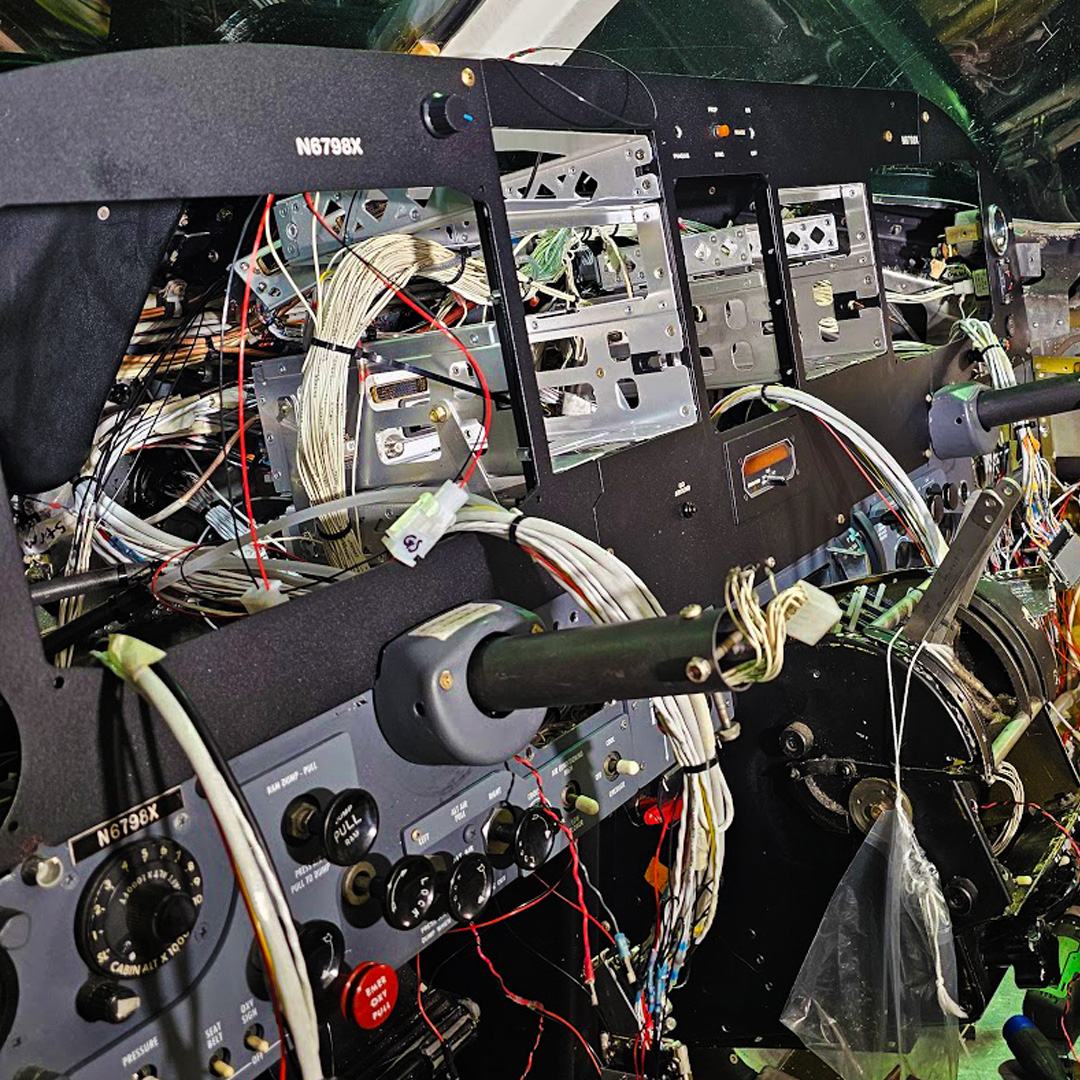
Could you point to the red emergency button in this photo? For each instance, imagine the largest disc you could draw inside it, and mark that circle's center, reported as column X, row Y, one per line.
column 369, row 995
column 721, row 131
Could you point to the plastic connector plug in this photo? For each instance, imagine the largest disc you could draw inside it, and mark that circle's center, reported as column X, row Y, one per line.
column 425, row 523
column 817, row 616
column 259, row 597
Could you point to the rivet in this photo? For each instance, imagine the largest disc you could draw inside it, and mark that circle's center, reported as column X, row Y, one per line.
column 468, row 76
column 446, row 679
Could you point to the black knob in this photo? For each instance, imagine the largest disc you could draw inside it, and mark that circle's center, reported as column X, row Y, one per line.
column 340, row 827
column 102, row 1000
column 528, row 834
column 323, row 946
column 445, row 115
column 348, row 825
column 470, row 887
column 158, row 915
column 950, row 495
column 408, row 892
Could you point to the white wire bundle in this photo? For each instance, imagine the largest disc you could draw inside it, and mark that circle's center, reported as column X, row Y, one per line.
column 764, row 629
column 133, row 539
column 118, row 434
column 1009, row 776
column 353, row 297
column 614, row 593
column 923, row 296
column 1036, row 475
column 132, row 659
column 899, row 483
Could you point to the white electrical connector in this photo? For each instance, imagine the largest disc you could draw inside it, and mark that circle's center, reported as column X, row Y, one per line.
column 259, row 598
column 421, row 527
column 816, row 616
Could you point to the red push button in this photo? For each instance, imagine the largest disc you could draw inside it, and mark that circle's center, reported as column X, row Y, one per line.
column 369, row 995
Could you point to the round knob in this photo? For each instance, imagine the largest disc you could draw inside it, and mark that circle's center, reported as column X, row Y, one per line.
column 529, row 835
column 470, row 886
column 139, row 908
column 407, row 892
column 323, row 946
column 158, row 915
column 950, row 495
column 348, row 825
column 106, row 1001
column 369, row 994
column 445, row 115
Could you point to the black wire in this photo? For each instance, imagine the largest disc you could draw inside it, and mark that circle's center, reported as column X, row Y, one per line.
column 615, row 117
column 198, row 722
column 221, row 389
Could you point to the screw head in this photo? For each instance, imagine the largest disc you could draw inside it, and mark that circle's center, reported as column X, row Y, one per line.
column 415, row 835
column 468, row 76
column 691, row 611
column 888, row 136
column 599, row 372
column 840, row 519
column 698, row 669
column 925, row 117
column 446, row 679
column 103, row 213
column 438, row 414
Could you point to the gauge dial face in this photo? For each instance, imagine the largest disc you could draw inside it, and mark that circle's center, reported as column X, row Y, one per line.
column 139, row 909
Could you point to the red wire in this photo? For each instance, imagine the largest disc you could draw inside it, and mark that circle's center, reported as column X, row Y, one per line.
column 590, row 974
column 656, row 873
column 592, row 918
column 509, row 914
column 1046, row 814
column 267, row 965
column 884, row 497
column 438, row 324
column 535, row 1006
column 240, row 384
column 556, row 572
column 420, row 1004
column 536, row 1045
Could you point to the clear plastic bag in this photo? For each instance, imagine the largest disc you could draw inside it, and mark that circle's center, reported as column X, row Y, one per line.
column 878, row 986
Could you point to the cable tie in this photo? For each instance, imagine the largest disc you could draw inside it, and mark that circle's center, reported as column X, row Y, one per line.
column 511, row 533
column 333, row 346
column 761, row 394
column 339, row 535
column 704, row 766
